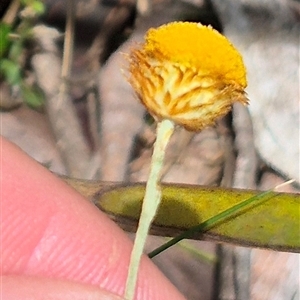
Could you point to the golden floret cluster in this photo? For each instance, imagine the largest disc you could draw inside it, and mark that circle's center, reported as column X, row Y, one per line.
column 188, row 73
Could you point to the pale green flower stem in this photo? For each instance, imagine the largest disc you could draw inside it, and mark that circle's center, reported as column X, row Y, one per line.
column 151, row 201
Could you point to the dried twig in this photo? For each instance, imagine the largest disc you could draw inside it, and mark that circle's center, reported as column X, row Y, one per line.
column 11, row 12
column 247, row 162
column 233, row 270
column 143, row 6
column 68, row 46
column 61, row 113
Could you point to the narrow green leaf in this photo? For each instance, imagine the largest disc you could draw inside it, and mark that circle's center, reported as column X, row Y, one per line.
column 231, row 212
column 272, row 224
column 11, row 71
column 5, row 29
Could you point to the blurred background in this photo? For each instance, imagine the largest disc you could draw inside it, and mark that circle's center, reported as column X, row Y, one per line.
column 64, row 99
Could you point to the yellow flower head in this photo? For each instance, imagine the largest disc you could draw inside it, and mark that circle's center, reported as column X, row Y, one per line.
column 188, row 73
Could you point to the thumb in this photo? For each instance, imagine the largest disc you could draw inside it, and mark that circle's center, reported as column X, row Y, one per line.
column 38, row 288
column 49, row 230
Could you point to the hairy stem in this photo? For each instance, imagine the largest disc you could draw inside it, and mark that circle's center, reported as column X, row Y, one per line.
column 151, row 202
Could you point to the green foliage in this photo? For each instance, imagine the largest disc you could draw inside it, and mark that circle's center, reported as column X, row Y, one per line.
column 33, row 96
column 36, row 5
column 13, row 38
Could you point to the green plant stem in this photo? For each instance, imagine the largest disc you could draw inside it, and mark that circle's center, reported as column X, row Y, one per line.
column 228, row 213
column 200, row 254
column 151, row 202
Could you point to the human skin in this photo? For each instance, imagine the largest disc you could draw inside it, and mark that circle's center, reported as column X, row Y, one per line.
column 57, row 245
